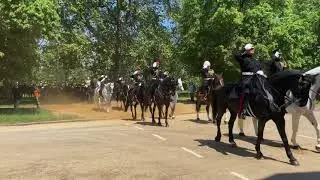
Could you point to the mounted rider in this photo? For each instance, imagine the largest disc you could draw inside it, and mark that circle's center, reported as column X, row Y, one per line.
column 101, row 83
column 138, row 80
column 250, row 68
column 207, row 74
column 276, row 64
column 156, row 74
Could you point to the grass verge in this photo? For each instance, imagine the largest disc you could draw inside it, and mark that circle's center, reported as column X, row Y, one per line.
column 28, row 115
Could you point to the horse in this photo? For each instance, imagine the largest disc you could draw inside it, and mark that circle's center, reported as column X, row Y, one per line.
column 162, row 98
column 298, row 111
column 174, row 98
column 215, row 82
column 140, row 94
column 121, row 92
column 259, row 107
column 104, row 101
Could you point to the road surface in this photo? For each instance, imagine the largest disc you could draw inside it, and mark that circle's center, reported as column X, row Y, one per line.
column 122, row 149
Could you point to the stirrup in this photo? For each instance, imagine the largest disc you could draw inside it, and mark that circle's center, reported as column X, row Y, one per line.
column 241, row 115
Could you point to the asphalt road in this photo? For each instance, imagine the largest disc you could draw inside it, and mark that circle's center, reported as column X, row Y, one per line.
column 118, row 149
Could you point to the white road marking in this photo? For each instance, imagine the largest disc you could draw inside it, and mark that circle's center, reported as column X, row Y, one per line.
column 307, row 137
column 191, row 152
column 139, row 128
column 157, row 136
column 239, row 175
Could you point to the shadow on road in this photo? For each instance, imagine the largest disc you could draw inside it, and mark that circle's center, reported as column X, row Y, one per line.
column 253, row 140
column 295, row 176
column 199, row 121
column 117, row 108
column 146, row 123
column 226, row 149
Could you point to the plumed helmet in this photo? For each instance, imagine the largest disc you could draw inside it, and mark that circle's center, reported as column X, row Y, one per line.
column 276, row 53
column 155, row 64
column 248, row 47
column 206, row 64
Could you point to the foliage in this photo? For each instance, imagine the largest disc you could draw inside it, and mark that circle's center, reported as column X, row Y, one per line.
column 68, row 41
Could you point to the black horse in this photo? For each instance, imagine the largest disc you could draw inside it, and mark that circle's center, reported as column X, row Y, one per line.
column 139, row 94
column 162, row 97
column 121, row 92
column 259, row 107
column 214, row 83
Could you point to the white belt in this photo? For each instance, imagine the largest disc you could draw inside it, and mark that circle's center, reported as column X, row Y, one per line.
column 208, row 78
column 247, row 73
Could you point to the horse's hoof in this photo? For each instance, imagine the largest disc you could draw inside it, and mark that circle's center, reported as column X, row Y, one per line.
column 233, row 144
column 210, row 120
column 294, row 162
column 259, row 156
column 296, row 147
column 242, row 134
column 318, row 148
column 198, row 119
column 214, row 121
column 217, row 139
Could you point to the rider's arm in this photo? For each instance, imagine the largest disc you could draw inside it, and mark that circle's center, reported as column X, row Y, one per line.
column 278, row 66
column 205, row 73
column 239, row 56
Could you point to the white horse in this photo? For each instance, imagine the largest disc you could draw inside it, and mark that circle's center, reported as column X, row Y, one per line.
column 103, row 102
column 297, row 111
column 174, row 98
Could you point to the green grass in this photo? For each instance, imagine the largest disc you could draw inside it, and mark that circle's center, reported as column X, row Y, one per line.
column 27, row 115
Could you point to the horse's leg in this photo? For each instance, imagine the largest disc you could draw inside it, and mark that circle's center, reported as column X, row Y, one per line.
column 311, row 117
column 172, row 107
column 233, row 117
column 207, row 109
column 282, row 131
column 240, row 125
column 160, row 112
column 198, row 106
column 135, row 111
column 219, row 116
column 153, row 110
column 295, row 126
column 166, row 114
column 142, row 111
column 108, row 104
column 131, row 111
column 261, row 126
column 255, row 126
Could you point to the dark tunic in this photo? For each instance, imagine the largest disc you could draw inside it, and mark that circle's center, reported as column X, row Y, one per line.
column 247, row 64
column 275, row 67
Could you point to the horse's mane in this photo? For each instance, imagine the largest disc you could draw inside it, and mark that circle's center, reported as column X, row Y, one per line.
column 281, row 76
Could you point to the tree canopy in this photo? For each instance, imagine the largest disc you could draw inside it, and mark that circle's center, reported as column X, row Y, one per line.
column 68, row 41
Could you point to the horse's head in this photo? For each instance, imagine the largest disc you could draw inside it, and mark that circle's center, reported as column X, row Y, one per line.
column 217, row 82
column 169, row 84
column 304, row 87
column 109, row 87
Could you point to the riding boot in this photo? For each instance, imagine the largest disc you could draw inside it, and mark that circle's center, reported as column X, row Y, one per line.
column 242, row 107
